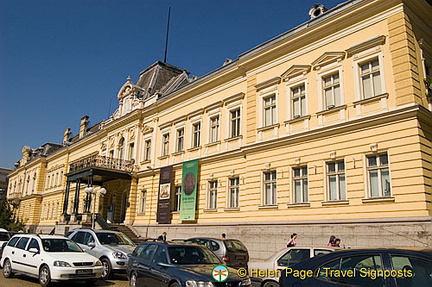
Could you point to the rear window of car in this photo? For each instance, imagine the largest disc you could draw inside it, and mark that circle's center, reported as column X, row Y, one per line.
column 4, row 236
column 234, row 245
column 13, row 241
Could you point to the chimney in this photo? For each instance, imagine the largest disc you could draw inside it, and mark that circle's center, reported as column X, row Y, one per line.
column 66, row 135
column 83, row 126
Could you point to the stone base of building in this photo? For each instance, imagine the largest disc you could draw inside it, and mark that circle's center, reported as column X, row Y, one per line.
column 264, row 239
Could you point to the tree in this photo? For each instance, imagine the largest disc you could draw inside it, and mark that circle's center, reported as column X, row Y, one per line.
column 7, row 218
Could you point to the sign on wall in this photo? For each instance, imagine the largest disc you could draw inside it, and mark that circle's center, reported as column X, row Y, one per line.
column 164, row 198
column 189, row 190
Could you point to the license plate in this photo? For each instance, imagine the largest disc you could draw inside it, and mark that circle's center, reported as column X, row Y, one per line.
column 84, row 271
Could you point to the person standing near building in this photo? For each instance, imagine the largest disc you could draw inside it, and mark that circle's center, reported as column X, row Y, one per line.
column 162, row 237
column 331, row 240
column 292, row 242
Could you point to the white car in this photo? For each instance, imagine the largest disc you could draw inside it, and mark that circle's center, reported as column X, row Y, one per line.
column 267, row 272
column 49, row 258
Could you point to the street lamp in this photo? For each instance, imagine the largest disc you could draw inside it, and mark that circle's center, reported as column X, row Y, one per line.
column 93, row 192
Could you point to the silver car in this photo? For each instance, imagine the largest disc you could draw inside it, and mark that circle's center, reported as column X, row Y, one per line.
column 111, row 247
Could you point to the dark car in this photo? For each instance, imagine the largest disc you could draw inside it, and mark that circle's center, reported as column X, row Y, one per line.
column 380, row 267
column 178, row 264
column 231, row 251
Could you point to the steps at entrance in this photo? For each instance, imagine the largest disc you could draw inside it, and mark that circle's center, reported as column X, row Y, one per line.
column 128, row 232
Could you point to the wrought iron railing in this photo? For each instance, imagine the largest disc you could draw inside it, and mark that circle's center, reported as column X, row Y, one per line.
column 101, row 161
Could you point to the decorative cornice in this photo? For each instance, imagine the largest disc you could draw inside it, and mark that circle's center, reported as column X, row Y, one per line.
column 376, row 41
column 272, row 82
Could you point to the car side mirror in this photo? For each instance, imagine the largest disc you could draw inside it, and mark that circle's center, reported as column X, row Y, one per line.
column 91, row 245
column 34, row 250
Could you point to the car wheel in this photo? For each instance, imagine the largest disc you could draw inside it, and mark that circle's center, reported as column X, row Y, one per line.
column 106, row 268
column 7, row 269
column 175, row 284
column 44, row 276
column 133, row 280
column 270, row 284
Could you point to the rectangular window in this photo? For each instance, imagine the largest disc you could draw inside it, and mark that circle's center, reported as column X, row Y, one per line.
column 177, row 198
column 331, row 91
column 336, row 180
column 212, row 195
column 147, row 150
column 214, row 129
column 300, row 184
column 131, row 150
column 270, row 195
column 233, row 193
column 235, row 123
column 165, row 144
column 378, row 175
column 298, row 100
column 269, row 110
column 196, row 137
column 180, row 140
column 143, row 200
column 370, row 77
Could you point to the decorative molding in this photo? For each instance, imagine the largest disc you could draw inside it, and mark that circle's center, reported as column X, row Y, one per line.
column 272, row 82
column 327, row 58
column 376, row 41
column 233, row 98
column 295, row 70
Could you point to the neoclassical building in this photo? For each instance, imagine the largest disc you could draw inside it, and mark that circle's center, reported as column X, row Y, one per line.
column 325, row 129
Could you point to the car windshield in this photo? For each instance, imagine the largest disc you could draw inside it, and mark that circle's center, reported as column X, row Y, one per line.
column 234, row 245
column 111, row 238
column 60, row 245
column 192, row 255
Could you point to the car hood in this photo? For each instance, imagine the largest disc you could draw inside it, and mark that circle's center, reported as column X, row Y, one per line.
column 123, row 248
column 204, row 272
column 73, row 256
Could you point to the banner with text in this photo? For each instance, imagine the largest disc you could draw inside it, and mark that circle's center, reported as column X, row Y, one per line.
column 164, row 198
column 189, row 190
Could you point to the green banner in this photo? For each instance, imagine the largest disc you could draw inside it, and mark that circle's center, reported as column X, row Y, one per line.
column 189, row 190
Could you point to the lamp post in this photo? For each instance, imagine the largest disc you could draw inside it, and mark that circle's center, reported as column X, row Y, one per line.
column 94, row 193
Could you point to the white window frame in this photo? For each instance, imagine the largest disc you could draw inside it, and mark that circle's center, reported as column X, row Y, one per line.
column 143, row 201
column 233, row 196
column 340, row 178
column 165, row 143
column 180, row 141
column 177, row 198
column 325, row 72
column 131, row 150
column 304, row 184
column 273, row 108
column 381, row 169
column 147, row 149
column 336, row 95
column 358, row 60
column 214, row 128
column 269, row 185
column 292, row 97
column 196, row 134
column 212, row 194
column 234, row 122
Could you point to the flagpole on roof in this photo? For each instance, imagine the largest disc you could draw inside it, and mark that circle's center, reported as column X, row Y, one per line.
column 167, row 32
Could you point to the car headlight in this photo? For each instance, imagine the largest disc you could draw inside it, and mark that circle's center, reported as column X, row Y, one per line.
column 119, row 255
column 246, row 282
column 193, row 283
column 59, row 263
column 98, row 263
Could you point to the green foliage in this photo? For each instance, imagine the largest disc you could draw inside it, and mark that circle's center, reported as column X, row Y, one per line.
column 7, row 218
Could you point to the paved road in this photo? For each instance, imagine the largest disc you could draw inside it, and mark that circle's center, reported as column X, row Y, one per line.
column 119, row 280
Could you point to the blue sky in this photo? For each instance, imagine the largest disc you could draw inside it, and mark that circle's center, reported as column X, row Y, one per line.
column 64, row 59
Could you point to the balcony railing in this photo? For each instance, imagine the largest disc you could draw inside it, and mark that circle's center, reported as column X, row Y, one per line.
column 101, row 161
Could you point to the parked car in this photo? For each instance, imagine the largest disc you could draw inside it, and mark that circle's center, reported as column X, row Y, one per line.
column 49, row 258
column 111, row 247
column 286, row 257
column 231, row 251
column 175, row 264
column 383, row 267
column 4, row 237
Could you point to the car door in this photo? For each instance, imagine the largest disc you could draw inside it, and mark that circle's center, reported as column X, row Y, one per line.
column 19, row 256
column 411, row 270
column 141, row 264
column 33, row 259
column 159, row 267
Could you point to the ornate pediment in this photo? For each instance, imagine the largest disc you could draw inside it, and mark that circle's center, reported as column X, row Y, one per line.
column 295, row 70
column 328, row 58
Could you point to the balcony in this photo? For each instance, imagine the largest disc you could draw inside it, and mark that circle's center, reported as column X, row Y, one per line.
column 98, row 161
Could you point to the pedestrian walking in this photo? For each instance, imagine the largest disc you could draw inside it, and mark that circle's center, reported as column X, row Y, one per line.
column 292, row 242
column 331, row 240
column 162, row 237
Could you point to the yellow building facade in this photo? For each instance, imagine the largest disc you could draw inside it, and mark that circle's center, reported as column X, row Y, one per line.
column 325, row 129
